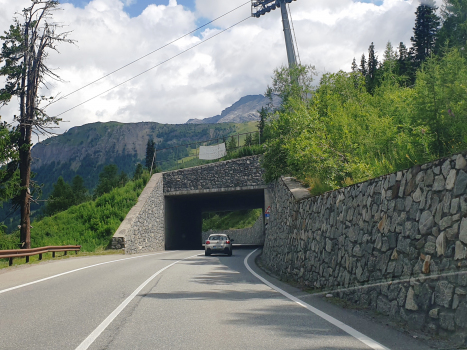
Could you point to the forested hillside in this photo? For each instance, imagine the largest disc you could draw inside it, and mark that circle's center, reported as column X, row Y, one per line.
column 405, row 108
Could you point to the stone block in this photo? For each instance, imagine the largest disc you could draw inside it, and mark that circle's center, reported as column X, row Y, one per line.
column 463, row 231
column 461, row 315
column 441, row 244
column 460, row 162
column 461, row 183
column 439, row 184
column 410, row 303
column 443, row 293
column 446, row 321
column 426, row 222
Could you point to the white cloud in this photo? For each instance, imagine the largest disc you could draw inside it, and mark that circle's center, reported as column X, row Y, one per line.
column 209, row 78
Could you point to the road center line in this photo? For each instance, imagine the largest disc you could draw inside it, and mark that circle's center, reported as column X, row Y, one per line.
column 95, row 334
column 353, row 332
column 75, row 270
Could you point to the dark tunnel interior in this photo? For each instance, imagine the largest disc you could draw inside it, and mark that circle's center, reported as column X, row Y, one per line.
column 183, row 220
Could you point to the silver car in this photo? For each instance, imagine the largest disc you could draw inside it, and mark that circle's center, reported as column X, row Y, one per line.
column 218, row 243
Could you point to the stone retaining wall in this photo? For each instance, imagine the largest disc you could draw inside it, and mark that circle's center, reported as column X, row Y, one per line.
column 243, row 173
column 397, row 244
column 143, row 227
column 253, row 235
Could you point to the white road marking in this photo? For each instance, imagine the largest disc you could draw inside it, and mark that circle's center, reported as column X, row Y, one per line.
column 353, row 332
column 81, row 268
column 95, row 334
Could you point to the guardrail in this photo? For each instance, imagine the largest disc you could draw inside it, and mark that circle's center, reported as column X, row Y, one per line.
column 21, row 253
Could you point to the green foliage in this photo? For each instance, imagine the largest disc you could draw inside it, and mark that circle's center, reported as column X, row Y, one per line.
column 150, row 149
column 64, row 196
column 346, row 134
column 9, row 173
column 232, row 144
column 138, row 172
column 425, row 31
column 248, row 140
column 441, row 102
column 90, row 224
column 230, row 220
column 109, row 179
column 244, row 152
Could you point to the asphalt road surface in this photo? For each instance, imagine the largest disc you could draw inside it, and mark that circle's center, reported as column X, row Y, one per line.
column 174, row 300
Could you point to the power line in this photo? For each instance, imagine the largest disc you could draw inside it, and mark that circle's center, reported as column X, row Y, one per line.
column 157, row 65
column 150, row 53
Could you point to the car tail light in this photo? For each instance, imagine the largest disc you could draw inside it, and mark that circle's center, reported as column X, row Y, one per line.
column 228, row 242
column 207, row 242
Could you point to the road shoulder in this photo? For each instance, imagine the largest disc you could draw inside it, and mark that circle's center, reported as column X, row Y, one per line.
column 365, row 321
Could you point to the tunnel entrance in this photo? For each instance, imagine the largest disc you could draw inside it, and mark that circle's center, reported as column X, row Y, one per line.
column 183, row 214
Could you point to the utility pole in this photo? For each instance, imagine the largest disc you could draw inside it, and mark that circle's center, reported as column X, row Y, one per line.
column 261, row 7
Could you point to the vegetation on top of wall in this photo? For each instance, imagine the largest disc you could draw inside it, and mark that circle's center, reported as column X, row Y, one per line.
column 380, row 118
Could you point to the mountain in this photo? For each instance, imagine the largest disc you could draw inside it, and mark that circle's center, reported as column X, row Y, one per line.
column 85, row 150
column 244, row 110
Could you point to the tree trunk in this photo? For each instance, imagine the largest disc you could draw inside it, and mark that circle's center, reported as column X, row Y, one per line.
column 25, row 176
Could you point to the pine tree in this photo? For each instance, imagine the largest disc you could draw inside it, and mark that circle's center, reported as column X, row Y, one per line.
column 80, row 192
column 138, row 172
column 363, row 66
column 454, row 29
column 150, row 149
column 425, row 30
column 354, row 66
column 232, row 144
column 248, row 140
column 263, row 115
column 60, row 199
column 372, row 69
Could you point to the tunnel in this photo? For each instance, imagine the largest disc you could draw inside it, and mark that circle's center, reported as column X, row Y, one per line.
column 183, row 214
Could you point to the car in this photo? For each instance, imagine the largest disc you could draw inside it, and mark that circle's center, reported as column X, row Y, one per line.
column 218, row 243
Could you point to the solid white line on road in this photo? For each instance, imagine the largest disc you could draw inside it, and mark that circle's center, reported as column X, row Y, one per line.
column 353, row 332
column 75, row 270
column 95, row 334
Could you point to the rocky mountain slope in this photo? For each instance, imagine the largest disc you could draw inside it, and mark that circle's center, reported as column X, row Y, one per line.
column 244, row 110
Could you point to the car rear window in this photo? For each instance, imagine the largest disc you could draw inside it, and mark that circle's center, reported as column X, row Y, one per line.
column 217, row 238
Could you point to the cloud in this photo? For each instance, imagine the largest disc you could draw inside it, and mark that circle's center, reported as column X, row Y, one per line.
column 215, row 74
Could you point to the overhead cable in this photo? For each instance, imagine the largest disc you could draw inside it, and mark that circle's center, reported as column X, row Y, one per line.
column 150, row 53
column 157, row 65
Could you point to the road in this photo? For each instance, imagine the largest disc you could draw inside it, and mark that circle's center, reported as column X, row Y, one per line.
column 174, row 300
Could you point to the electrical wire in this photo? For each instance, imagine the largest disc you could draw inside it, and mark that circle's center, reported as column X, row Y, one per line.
column 150, row 53
column 293, row 30
column 157, row 65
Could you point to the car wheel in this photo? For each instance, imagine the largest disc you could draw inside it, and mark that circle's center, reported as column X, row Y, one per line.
column 206, row 253
column 229, row 253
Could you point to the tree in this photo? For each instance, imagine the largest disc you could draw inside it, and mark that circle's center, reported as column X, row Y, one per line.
column 9, row 174
column 354, row 66
column 24, row 53
column 123, row 179
column 425, row 30
column 108, row 180
column 80, row 192
column 150, row 149
column 138, row 172
column 372, row 69
column 363, row 66
column 232, row 144
column 60, row 199
column 263, row 116
column 248, row 140
column 454, row 29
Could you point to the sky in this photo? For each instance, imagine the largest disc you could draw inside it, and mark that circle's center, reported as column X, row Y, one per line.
column 209, row 78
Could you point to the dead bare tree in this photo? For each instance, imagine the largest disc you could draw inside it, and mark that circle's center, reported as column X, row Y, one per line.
column 24, row 53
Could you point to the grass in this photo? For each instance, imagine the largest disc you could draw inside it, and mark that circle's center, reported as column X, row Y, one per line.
column 230, row 220
column 91, row 224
